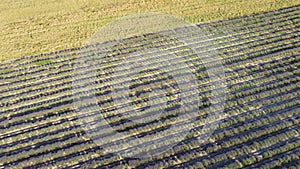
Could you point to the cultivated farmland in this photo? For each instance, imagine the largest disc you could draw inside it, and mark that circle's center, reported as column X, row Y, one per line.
column 39, row 26
column 260, row 125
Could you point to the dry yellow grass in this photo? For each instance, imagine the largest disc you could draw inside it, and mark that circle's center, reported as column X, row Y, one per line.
column 30, row 27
